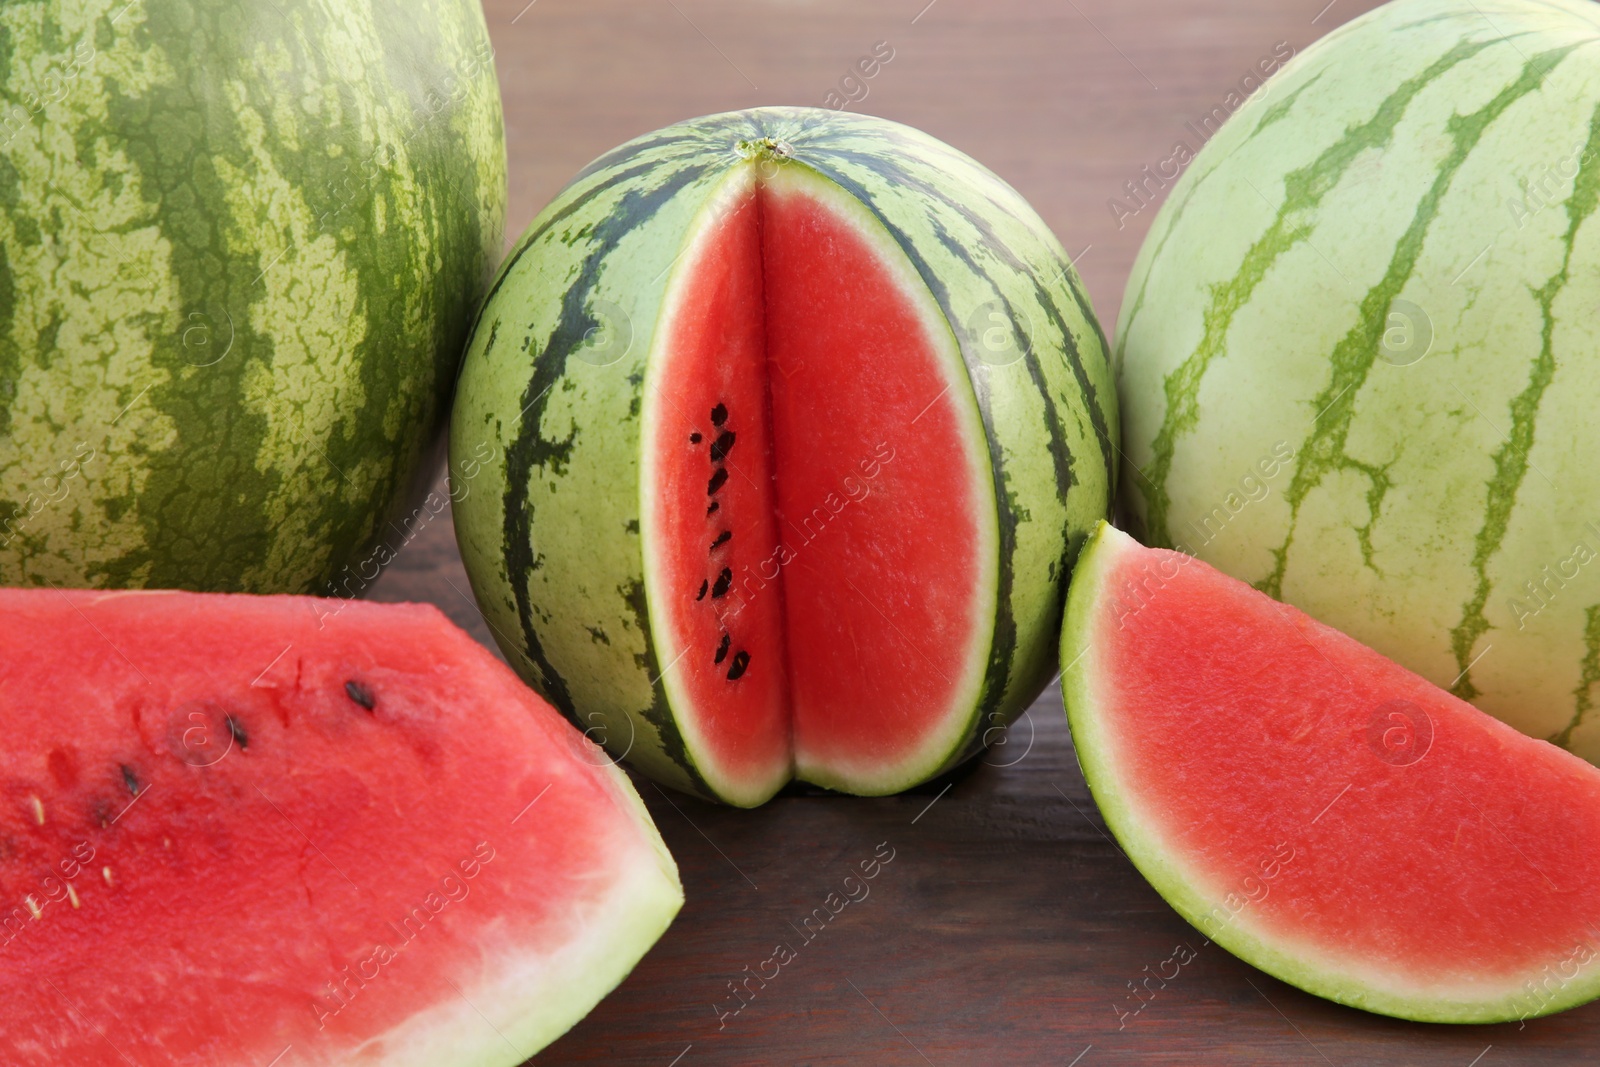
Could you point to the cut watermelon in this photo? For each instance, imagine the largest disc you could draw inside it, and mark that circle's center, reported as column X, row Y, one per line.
column 278, row 830
column 795, row 422
column 1320, row 811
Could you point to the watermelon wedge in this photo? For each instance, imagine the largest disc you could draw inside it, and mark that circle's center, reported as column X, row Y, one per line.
column 1321, row 812
column 279, row 830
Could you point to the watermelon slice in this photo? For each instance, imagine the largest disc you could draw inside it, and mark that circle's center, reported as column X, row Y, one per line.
column 1320, row 811
column 280, row 830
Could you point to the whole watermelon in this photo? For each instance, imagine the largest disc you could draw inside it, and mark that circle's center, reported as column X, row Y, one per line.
column 1358, row 357
column 240, row 245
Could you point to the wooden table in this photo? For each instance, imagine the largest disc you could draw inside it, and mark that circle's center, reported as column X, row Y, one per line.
column 1007, row 928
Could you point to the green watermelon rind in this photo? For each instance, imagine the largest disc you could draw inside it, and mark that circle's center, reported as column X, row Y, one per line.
column 1079, row 652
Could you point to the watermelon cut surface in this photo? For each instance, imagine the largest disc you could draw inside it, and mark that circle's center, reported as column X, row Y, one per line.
column 250, row 831
column 1321, row 812
column 818, row 482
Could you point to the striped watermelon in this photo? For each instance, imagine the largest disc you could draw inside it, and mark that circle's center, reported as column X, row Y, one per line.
column 1357, row 355
column 240, row 248
column 778, row 435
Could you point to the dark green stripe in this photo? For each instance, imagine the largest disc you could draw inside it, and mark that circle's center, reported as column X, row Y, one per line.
column 532, row 449
column 1303, row 192
column 1511, row 458
column 1351, row 360
column 1096, row 401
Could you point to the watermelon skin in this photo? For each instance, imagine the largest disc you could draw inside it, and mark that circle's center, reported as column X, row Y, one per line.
column 242, row 247
column 546, row 432
column 221, row 814
column 1321, row 812
column 1376, row 283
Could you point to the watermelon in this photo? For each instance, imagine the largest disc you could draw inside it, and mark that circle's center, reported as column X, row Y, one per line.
column 785, row 428
column 240, row 247
column 1322, row 812
column 284, row 830
column 1356, row 356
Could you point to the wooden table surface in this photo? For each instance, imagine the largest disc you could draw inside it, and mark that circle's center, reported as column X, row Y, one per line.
column 1006, row 928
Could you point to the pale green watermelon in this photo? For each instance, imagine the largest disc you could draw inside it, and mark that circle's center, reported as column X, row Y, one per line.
column 1358, row 357
column 240, row 246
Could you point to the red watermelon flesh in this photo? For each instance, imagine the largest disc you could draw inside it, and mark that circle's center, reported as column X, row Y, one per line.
column 818, row 524
column 280, row 830
column 1322, row 812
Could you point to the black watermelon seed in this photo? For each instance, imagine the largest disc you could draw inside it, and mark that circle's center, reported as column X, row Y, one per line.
column 722, row 649
column 724, row 580
column 694, row 438
column 129, row 779
column 717, row 479
column 360, row 694
column 236, row 730
column 715, row 504
column 722, row 446
column 703, row 586
column 719, row 415
column 722, row 538
column 740, row 662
